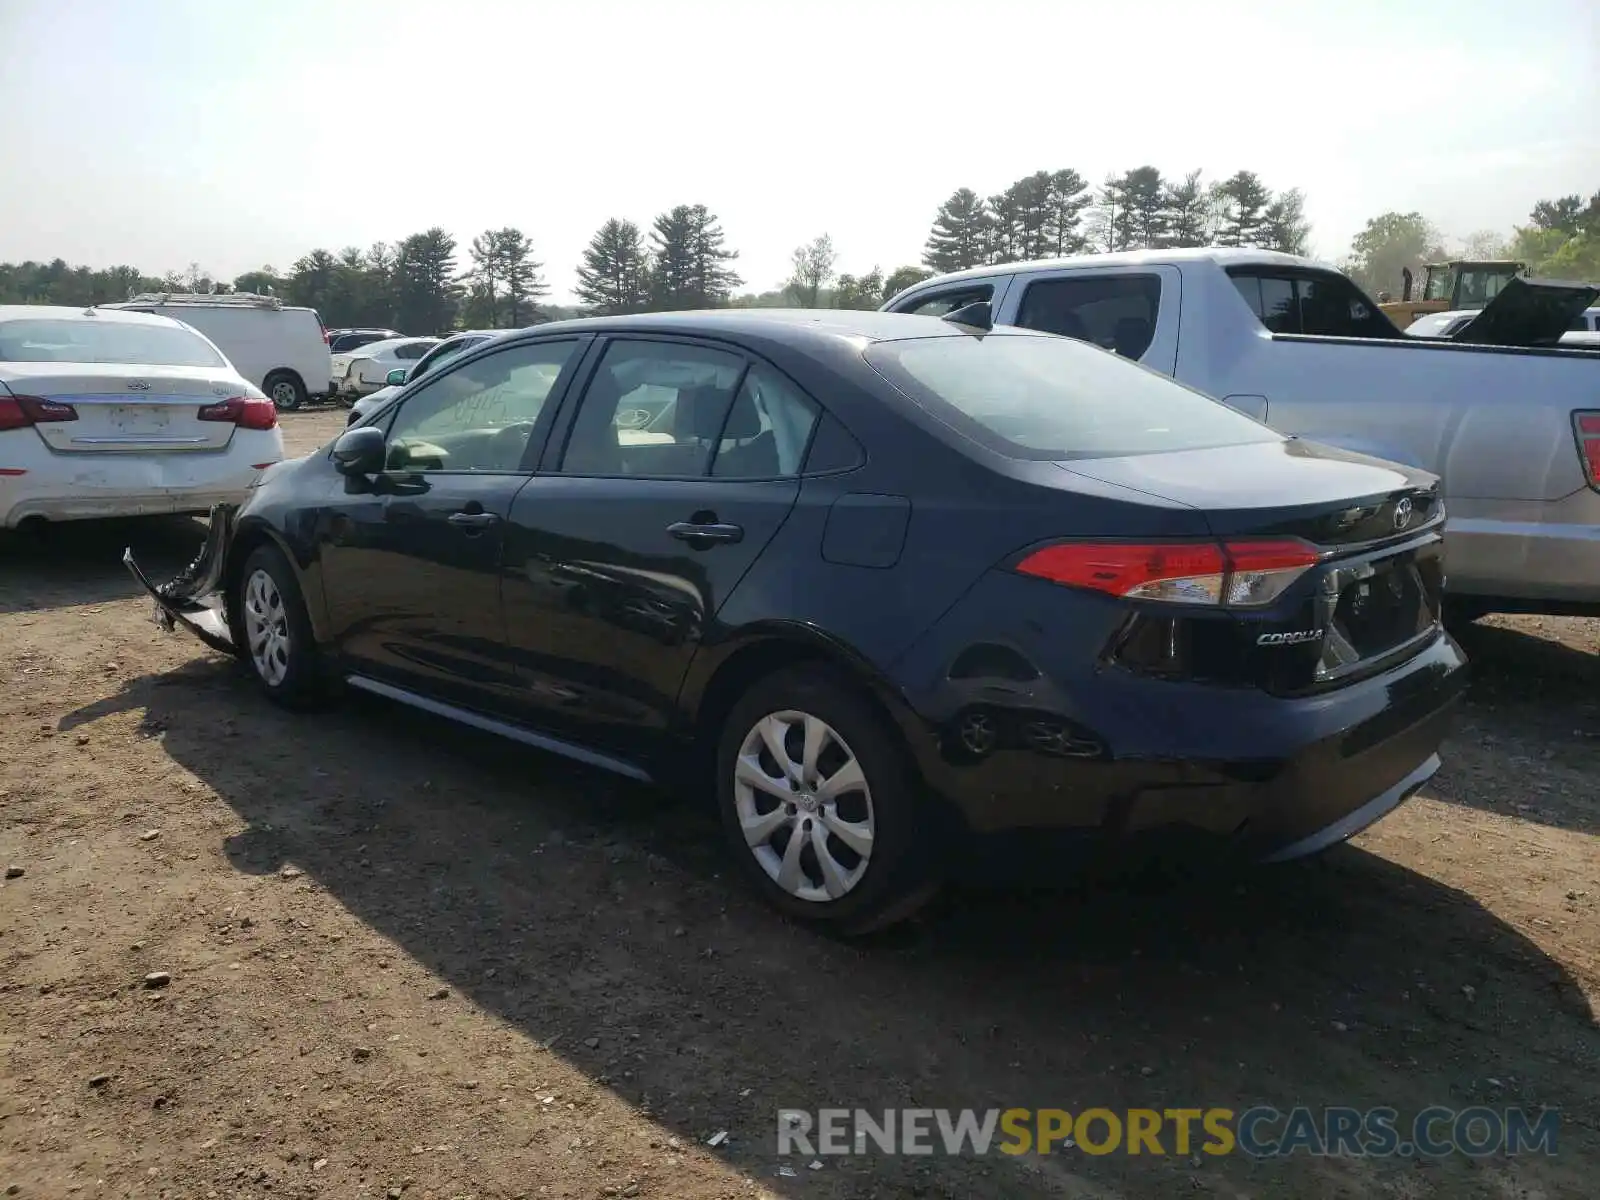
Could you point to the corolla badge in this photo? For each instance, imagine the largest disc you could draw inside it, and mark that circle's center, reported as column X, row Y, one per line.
column 138, row 385
column 1402, row 513
column 1289, row 639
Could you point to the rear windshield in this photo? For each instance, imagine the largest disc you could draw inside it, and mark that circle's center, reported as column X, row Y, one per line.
column 92, row 341
column 1056, row 398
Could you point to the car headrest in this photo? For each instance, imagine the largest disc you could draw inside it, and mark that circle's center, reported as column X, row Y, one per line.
column 1130, row 336
column 700, row 412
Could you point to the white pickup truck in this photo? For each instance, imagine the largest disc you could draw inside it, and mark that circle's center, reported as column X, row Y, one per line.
column 1512, row 429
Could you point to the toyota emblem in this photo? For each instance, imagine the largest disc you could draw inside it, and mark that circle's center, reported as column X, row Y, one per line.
column 1402, row 514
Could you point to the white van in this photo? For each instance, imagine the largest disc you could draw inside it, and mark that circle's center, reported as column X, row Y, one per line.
column 280, row 348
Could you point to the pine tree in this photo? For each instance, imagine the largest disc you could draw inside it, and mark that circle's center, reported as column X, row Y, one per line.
column 1284, row 226
column 520, row 275
column 1144, row 198
column 484, row 279
column 691, row 260
column 1188, row 213
column 960, row 234
column 1068, row 197
column 615, row 274
column 426, row 291
column 1241, row 209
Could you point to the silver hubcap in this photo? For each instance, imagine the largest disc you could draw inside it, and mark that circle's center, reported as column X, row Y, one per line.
column 282, row 393
column 804, row 806
column 266, row 628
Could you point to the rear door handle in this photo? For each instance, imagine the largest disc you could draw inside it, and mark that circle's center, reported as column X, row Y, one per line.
column 473, row 520
column 689, row 531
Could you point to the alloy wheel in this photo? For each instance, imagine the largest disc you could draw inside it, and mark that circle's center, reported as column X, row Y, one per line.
column 284, row 395
column 804, row 806
column 266, row 628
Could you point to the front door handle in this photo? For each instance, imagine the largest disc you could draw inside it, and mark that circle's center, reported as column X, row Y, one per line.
column 693, row 532
column 473, row 520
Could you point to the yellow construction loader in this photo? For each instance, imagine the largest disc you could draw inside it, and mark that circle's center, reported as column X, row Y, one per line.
column 1450, row 286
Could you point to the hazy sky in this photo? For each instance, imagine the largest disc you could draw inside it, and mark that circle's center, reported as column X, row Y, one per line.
column 241, row 132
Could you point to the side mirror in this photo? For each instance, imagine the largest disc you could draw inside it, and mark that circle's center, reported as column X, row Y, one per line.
column 395, row 377
column 360, row 451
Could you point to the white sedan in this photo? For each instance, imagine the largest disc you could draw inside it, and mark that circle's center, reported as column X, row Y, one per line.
column 367, row 369
column 109, row 413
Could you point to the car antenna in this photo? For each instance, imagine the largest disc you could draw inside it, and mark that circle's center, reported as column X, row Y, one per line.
column 977, row 315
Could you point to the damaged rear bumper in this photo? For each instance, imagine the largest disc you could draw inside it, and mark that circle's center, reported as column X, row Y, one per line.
column 194, row 597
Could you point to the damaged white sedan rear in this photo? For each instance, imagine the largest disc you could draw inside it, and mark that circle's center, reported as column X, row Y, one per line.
column 107, row 413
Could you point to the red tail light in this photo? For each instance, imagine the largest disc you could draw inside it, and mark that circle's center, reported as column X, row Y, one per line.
column 1239, row 574
column 1586, row 427
column 246, row 412
column 19, row 412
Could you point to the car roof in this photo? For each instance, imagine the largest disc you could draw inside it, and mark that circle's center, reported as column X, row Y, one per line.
column 832, row 327
column 70, row 312
column 1223, row 256
column 379, row 347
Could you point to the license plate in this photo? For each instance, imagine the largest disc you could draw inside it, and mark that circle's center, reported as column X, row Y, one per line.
column 139, row 418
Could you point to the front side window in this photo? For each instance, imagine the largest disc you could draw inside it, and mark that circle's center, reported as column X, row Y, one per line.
column 95, row 341
column 480, row 416
column 1115, row 312
column 653, row 409
column 948, row 301
column 1052, row 398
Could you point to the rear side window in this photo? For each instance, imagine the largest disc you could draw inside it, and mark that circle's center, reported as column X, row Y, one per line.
column 412, row 350
column 1327, row 305
column 944, row 302
column 1050, row 398
column 93, row 341
column 1115, row 312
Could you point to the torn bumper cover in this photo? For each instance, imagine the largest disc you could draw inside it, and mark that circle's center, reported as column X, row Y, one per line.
column 194, row 597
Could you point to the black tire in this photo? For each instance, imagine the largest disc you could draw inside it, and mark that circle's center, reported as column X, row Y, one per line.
column 285, row 390
column 1459, row 612
column 304, row 681
column 898, row 876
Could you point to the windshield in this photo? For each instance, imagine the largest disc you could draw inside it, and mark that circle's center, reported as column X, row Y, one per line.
column 1056, row 398
column 1441, row 283
column 94, row 341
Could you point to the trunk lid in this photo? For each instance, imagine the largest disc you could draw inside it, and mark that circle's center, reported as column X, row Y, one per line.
column 1372, row 598
column 1293, row 488
column 127, row 408
column 1528, row 312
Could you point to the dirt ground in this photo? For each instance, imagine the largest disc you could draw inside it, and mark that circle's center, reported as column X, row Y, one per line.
column 409, row 961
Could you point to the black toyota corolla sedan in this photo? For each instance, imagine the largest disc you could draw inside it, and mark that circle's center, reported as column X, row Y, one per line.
column 899, row 588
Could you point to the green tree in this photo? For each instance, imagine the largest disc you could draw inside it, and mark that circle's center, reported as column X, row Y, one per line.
column 1284, row 226
column 614, row 276
column 813, row 265
column 1022, row 226
column 960, row 234
column 264, row 282
column 310, row 281
column 1144, row 201
column 691, row 260
column 1391, row 243
column 863, row 292
column 1241, row 201
column 1066, row 201
column 1110, row 225
column 1188, row 213
column 902, row 278
column 426, row 291
column 483, row 281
